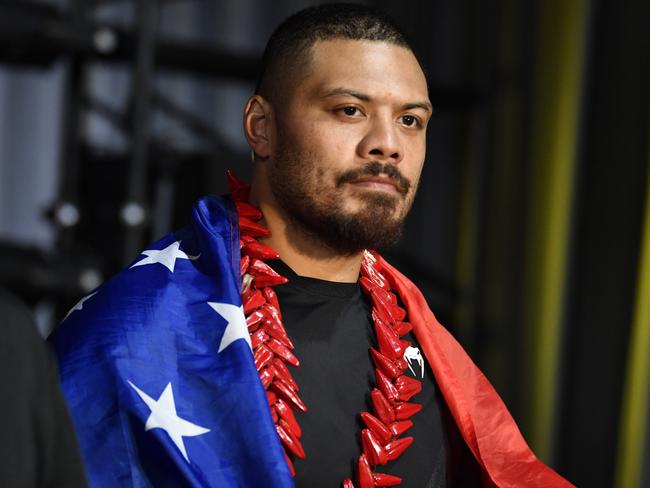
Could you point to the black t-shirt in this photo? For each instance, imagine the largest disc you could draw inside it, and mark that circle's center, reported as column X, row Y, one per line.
column 331, row 328
column 39, row 446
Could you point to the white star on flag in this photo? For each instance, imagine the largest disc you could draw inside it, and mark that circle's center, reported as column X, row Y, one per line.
column 80, row 304
column 167, row 257
column 236, row 327
column 163, row 416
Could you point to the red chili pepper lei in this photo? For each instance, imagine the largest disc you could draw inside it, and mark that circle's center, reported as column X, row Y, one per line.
column 260, row 268
column 258, row 337
column 287, row 414
column 254, row 320
column 271, row 397
column 291, row 442
column 288, row 394
column 266, row 375
column 243, row 264
column 386, row 386
column 364, row 473
column 272, row 298
column 399, row 427
column 248, row 211
column 239, row 190
column 388, row 367
column 263, row 356
column 402, row 328
column 380, row 441
column 253, row 301
column 382, row 407
column 265, row 280
column 368, row 269
column 260, row 251
column 366, row 285
column 277, row 332
column 281, row 350
column 383, row 479
column 398, row 312
column 396, row 448
column 294, row 437
column 284, row 373
column 388, row 340
column 407, row 387
column 249, row 228
column 404, row 410
column 378, row 428
column 372, row 448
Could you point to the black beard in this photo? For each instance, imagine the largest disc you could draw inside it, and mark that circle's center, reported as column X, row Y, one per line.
column 293, row 179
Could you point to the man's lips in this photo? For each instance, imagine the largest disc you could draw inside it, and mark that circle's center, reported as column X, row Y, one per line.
column 377, row 183
column 377, row 177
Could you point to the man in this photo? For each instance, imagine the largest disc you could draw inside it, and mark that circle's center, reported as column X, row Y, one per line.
column 39, row 448
column 325, row 379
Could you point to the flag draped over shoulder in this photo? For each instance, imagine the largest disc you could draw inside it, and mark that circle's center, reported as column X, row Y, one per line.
column 482, row 418
column 158, row 372
column 157, row 369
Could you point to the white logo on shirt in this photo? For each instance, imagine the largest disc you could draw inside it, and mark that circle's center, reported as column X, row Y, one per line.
column 413, row 354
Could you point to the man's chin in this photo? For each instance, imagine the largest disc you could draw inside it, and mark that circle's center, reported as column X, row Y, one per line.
column 369, row 227
column 369, row 201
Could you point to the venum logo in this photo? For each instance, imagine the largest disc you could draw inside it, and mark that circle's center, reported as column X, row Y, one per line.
column 412, row 354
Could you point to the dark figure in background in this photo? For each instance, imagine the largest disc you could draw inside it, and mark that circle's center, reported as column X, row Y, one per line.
column 200, row 365
column 38, row 447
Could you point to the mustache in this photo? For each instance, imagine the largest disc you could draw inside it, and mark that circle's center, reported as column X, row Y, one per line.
column 375, row 168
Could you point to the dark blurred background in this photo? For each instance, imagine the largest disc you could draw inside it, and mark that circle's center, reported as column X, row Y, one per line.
column 530, row 235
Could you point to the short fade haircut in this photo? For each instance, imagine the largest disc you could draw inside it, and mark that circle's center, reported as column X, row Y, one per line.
column 288, row 49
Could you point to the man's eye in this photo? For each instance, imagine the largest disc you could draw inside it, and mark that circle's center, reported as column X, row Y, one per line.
column 351, row 111
column 409, row 120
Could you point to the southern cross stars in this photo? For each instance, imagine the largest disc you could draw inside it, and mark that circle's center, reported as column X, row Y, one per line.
column 163, row 411
column 236, row 327
column 163, row 416
column 167, row 257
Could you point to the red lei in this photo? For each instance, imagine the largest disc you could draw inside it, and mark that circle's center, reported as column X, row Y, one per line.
column 272, row 348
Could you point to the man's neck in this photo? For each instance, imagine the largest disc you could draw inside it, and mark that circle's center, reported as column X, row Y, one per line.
column 303, row 253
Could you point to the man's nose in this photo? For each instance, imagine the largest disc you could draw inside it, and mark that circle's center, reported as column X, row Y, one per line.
column 382, row 142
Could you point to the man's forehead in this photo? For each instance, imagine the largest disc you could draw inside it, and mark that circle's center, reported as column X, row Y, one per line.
column 367, row 68
column 347, row 54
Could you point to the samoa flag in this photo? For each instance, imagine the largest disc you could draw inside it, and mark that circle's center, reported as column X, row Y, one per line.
column 157, row 369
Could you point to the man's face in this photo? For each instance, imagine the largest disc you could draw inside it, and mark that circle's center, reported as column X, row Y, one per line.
column 350, row 144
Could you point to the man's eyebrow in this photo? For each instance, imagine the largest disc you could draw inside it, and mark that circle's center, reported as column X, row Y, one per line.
column 342, row 91
column 423, row 105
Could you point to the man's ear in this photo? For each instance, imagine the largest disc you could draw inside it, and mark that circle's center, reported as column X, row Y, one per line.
column 258, row 126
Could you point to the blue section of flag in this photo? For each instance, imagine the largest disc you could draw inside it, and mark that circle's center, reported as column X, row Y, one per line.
column 149, row 327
